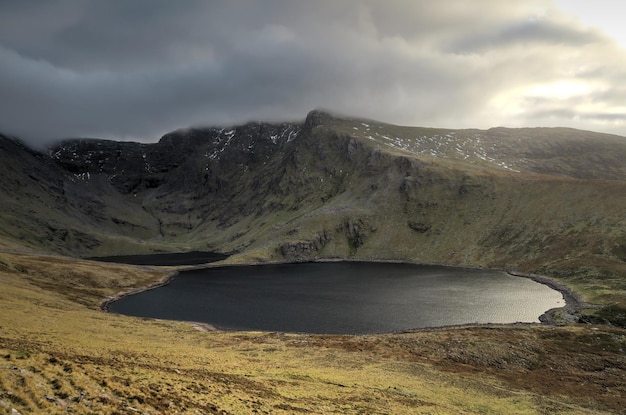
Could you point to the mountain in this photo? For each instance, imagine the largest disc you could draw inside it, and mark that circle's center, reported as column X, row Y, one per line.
column 542, row 200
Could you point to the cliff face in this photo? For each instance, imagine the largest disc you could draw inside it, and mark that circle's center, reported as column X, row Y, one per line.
column 532, row 199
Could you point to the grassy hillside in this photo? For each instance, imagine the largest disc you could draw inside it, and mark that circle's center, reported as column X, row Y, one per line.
column 543, row 201
column 60, row 354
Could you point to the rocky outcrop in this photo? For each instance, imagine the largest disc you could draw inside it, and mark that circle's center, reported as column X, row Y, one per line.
column 355, row 188
column 301, row 251
column 356, row 231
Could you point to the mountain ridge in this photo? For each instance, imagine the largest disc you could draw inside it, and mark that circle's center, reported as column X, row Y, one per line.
column 549, row 201
column 211, row 161
column 326, row 188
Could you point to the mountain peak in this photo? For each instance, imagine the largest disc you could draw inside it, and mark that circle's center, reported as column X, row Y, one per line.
column 318, row 117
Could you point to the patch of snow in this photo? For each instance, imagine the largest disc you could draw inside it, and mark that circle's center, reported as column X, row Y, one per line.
column 229, row 134
column 83, row 176
column 292, row 135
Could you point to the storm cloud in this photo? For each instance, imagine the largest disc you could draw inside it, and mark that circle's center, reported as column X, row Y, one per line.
column 134, row 70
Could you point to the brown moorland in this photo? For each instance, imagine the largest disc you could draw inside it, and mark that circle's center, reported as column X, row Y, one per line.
column 60, row 354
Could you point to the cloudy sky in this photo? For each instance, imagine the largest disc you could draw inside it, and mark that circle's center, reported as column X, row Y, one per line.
column 136, row 69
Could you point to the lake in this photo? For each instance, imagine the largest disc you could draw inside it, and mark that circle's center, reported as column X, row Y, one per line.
column 343, row 297
column 163, row 259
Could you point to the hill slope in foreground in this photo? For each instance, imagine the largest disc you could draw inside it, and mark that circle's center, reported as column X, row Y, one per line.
column 543, row 201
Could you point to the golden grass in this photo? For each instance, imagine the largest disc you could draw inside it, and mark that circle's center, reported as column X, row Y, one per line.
column 60, row 354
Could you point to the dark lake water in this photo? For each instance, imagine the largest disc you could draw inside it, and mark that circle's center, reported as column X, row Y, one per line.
column 178, row 258
column 343, row 297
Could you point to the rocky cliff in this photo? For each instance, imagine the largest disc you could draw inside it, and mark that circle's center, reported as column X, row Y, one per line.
column 540, row 200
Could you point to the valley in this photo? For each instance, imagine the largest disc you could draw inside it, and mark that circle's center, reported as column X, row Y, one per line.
column 550, row 202
column 59, row 352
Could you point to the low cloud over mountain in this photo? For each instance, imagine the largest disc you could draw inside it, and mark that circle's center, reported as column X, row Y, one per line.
column 134, row 71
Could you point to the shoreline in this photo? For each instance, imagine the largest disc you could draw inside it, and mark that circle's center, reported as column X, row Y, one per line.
column 552, row 317
column 104, row 304
column 573, row 302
